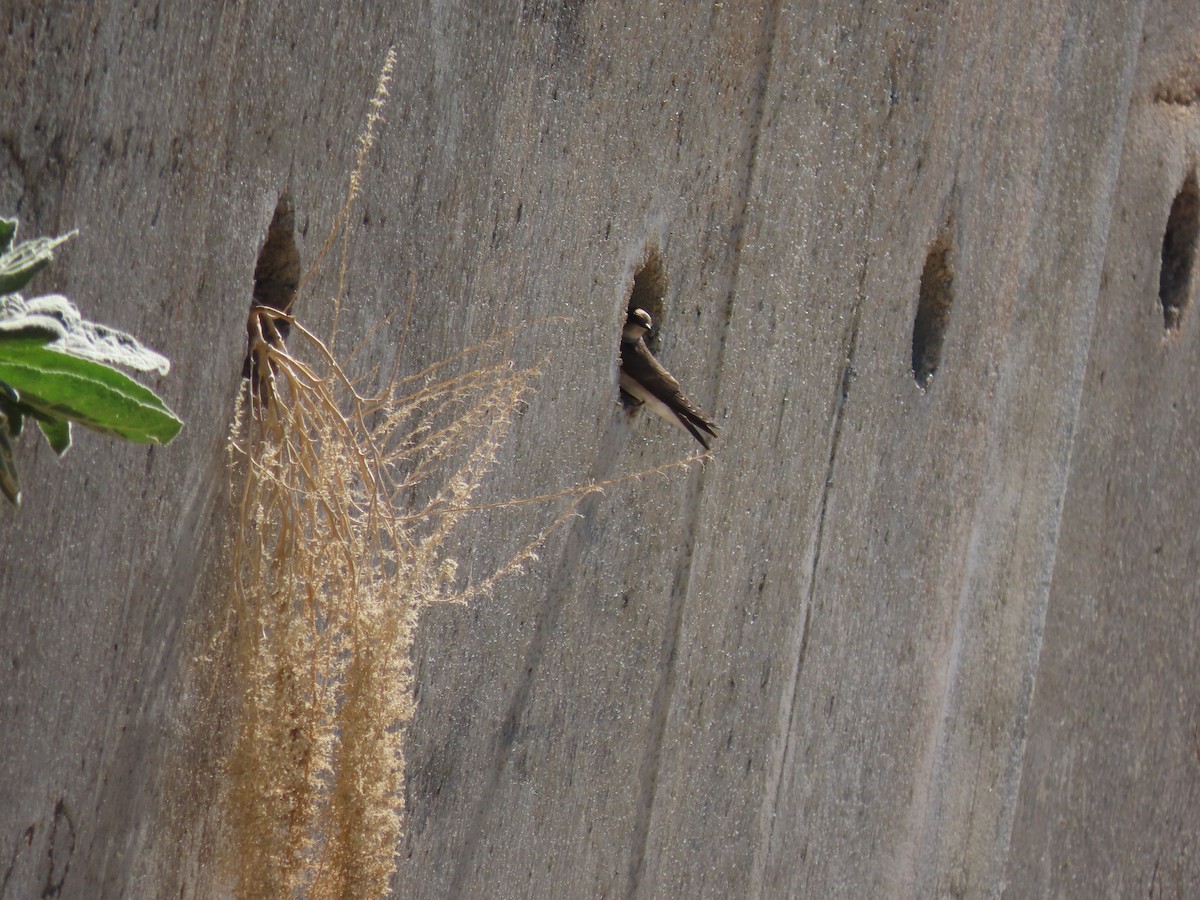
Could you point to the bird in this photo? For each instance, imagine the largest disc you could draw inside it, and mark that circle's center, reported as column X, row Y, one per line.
column 644, row 380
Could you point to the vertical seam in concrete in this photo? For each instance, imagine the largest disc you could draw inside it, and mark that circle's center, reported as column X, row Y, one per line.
column 737, row 233
column 913, row 872
column 509, row 725
column 507, row 728
column 774, row 785
column 648, row 775
column 1078, row 376
column 660, row 709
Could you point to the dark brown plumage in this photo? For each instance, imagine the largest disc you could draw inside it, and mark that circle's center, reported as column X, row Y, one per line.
column 645, row 380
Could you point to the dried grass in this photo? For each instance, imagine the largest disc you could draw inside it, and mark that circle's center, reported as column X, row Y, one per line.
column 328, row 580
column 345, row 507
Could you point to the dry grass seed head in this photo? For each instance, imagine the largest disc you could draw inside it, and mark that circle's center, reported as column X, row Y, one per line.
column 328, row 584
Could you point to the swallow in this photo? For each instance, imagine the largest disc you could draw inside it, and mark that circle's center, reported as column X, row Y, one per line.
column 644, row 380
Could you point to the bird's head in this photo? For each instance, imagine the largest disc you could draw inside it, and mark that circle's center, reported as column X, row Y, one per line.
column 636, row 325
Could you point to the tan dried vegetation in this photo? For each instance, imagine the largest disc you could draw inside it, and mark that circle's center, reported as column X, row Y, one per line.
column 344, row 509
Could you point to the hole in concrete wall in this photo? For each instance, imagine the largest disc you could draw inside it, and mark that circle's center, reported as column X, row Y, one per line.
column 1179, row 254
column 649, row 292
column 933, row 313
column 276, row 280
column 277, row 272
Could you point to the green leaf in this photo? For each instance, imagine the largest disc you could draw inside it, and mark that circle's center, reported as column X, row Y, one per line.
column 8, row 231
column 56, row 317
column 90, row 393
column 57, row 433
column 20, row 263
column 14, row 411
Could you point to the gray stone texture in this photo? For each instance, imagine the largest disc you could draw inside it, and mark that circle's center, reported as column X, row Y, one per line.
column 889, row 642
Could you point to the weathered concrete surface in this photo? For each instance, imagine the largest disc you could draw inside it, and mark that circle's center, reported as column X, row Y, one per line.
column 852, row 654
column 1110, row 791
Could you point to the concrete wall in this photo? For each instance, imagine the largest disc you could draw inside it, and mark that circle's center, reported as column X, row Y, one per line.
column 890, row 641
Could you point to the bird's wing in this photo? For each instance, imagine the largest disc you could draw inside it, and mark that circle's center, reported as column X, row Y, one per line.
column 657, row 386
column 639, row 362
